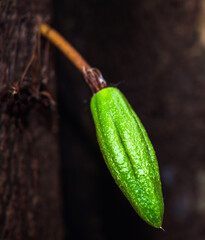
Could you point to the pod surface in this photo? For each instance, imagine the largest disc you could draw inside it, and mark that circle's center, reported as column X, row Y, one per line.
column 128, row 153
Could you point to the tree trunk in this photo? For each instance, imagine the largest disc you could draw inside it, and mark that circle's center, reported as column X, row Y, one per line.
column 30, row 198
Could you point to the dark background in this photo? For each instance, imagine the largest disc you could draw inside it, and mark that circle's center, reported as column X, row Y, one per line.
column 153, row 51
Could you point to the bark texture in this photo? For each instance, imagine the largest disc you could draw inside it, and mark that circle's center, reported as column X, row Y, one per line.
column 30, row 196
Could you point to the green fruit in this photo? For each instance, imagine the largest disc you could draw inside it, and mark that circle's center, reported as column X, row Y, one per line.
column 128, row 153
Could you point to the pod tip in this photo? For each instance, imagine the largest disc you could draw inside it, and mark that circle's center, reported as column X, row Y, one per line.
column 162, row 229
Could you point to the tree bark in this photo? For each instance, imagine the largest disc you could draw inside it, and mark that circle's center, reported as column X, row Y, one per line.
column 30, row 197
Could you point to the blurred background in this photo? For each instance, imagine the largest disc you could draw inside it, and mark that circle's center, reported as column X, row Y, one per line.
column 153, row 51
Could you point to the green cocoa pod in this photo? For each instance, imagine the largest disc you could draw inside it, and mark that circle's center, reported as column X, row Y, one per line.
column 128, row 153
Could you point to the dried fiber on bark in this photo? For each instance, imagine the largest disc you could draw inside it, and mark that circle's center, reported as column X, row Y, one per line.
column 30, row 199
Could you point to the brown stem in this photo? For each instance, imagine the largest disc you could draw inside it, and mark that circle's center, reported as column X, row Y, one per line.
column 92, row 76
column 94, row 79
